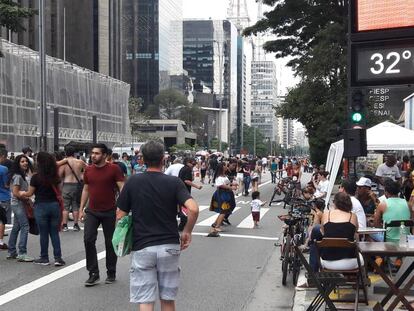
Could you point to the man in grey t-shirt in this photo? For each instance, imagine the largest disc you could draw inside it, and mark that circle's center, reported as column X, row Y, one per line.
column 388, row 169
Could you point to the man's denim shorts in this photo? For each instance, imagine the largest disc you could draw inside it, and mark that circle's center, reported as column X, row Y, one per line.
column 155, row 267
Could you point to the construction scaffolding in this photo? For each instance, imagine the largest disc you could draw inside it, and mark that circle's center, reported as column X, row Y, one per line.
column 78, row 93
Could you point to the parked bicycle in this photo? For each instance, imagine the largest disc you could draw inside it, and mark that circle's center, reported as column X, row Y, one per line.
column 294, row 234
column 287, row 188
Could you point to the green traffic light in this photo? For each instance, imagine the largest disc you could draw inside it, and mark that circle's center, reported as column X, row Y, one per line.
column 356, row 117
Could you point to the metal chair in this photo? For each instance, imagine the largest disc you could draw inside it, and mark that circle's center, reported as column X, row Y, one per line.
column 354, row 277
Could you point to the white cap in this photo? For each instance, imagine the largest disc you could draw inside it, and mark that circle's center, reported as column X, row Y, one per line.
column 364, row 182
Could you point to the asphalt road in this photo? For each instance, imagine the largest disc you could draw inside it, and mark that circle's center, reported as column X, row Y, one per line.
column 239, row 270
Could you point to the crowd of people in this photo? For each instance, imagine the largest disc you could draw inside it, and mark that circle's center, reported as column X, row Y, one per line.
column 42, row 190
column 358, row 205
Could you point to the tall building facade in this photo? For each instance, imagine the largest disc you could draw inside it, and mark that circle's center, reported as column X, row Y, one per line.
column 264, row 98
column 286, row 129
column 152, row 45
column 210, row 57
column 86, row 33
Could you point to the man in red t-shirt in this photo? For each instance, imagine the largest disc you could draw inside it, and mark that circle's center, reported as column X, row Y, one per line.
column 102, row 181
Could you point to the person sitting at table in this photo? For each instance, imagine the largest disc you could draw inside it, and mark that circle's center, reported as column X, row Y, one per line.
column 394, row 208
column 340, row 222
column 366, row 196
column 350, row 187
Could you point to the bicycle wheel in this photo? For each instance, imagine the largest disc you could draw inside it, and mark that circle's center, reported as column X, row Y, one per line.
column 295, row 269
column 286, row 259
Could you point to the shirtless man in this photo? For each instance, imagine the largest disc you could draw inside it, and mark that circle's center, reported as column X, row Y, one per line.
column 70, row 193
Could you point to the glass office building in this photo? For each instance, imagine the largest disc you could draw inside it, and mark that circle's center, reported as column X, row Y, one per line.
column 210, row 51
column 152, row 44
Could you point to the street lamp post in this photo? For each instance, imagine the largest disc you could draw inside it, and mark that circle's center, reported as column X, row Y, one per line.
column 42, row 58
column 254, row 142
column 221, row 95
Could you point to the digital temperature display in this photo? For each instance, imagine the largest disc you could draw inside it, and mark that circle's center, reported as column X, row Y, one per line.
column 390, row 63
column 384, row 14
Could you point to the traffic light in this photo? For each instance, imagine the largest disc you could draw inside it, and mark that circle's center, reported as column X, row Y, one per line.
column 357, row 108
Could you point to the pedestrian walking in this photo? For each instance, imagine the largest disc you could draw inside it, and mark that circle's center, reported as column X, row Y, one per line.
column 47, row 210
column 255, row 205
column 101, row 180
column 72, row 176
column 156, row 241
column 187, row 176
column 5, row 176
column 5, row 209
column 19, row 182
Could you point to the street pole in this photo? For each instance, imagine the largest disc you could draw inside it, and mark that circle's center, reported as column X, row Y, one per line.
column 42, row 57
column 254, row 142
column 220, row 95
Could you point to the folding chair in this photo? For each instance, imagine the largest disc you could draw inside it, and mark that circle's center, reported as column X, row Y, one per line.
column 325, row 282
column 354, row 277
column 395, row 224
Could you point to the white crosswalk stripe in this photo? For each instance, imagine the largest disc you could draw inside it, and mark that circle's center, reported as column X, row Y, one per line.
column 207, row 222
column 248, row 221
column 203, row 207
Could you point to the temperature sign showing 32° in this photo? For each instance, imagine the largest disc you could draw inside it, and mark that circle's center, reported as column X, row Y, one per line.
column 389, row 65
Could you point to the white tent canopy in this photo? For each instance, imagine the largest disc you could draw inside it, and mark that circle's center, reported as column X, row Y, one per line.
column 383, row 136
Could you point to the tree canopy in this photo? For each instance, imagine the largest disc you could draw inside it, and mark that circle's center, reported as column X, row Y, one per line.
column 12, row 15
column 262, row 146
column 172, row 104
column 313, row 34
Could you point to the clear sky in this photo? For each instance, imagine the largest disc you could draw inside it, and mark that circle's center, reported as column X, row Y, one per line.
column 217, row 9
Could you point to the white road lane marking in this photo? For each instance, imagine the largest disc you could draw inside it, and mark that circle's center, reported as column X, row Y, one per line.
column 240, row 236
column 29, row 287
column 203, row 207
column 207, row 222
column 248, row 221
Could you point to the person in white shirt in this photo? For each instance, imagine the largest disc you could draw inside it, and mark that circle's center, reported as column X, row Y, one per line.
column 349, row 187
column 256, row 204
column 174, row 169
column 264, row 164
column 389, row 169
column 322, row 185
column 223, row 201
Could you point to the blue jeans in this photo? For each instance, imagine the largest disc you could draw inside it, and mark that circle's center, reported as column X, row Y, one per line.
column 47, row 216
column 316, row 235
column 20, row 224
column 246, row 181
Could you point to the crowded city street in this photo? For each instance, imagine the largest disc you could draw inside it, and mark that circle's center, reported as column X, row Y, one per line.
column 240, row 270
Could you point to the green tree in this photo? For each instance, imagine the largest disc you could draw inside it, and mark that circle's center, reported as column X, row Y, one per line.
column 262, row 145
column 313, row 34
column 214, row 144
column 12, row 15
column 170, row 102
column 134, row 107
column 192, row 115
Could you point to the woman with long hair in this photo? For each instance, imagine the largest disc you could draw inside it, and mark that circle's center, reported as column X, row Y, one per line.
column 44, row 185
column 19, row 182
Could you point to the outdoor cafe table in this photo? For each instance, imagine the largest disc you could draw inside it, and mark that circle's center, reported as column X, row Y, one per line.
column 388, row 249
column 370, row 230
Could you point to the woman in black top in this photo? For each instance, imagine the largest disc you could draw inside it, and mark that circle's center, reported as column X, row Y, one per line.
column 339, row 222
column 44, row 185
